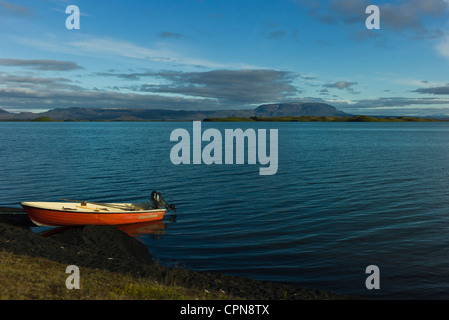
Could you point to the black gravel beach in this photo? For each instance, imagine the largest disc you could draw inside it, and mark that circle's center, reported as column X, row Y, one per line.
column 106, row 247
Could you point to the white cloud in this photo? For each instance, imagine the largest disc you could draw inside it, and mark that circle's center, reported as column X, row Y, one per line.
column 113, row 47
column 120, row 48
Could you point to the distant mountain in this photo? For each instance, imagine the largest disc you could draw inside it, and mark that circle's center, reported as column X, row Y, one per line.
column 5, row 115
column 110, row 114
column 298, row 110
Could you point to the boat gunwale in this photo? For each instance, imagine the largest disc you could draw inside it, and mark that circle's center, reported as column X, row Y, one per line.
column 71, row 210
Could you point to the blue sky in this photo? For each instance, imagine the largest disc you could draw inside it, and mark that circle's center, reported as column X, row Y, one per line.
column 206, row 55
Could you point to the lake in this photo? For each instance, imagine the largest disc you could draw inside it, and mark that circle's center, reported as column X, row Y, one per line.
column 345, row 196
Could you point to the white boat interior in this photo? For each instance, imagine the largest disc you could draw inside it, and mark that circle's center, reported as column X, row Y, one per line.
column 85, row 206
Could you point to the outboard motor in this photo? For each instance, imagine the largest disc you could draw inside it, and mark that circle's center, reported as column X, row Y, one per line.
column 159, row 202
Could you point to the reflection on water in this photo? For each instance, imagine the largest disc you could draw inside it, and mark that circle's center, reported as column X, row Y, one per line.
column 133, row 229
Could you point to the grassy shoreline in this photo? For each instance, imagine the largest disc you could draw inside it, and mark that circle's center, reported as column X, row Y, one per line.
column 30, row 278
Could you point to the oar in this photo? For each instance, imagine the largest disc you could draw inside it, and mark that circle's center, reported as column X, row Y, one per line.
column 104, row 204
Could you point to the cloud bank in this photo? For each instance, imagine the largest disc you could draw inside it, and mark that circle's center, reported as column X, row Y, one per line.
column 53, row 65
column 216, row 89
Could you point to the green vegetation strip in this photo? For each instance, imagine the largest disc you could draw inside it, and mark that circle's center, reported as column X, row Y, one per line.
column 27, row 278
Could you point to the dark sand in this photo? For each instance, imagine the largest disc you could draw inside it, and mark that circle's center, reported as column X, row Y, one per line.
column 106, row 247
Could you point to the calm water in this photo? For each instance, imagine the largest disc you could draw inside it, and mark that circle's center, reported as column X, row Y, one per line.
column 346, row 195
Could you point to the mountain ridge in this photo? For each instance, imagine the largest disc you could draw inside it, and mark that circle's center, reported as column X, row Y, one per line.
column 115, row 114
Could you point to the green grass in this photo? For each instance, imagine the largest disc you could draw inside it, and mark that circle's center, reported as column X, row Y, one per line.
column 27, row 278
column 43, row 119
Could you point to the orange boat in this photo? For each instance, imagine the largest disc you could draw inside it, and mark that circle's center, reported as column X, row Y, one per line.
column 76, row 213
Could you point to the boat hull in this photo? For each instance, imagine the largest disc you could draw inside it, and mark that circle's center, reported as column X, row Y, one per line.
column 57, row 218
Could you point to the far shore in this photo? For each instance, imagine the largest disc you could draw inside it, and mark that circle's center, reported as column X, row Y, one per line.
column 324, row 119
column 357, row 118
